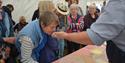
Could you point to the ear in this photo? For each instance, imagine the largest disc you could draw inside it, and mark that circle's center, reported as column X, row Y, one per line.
column 42, row 25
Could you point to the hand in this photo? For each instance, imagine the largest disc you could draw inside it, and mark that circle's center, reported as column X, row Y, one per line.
column 2, row 61
column 10, row 40
column 60, row 35
column 77, row 24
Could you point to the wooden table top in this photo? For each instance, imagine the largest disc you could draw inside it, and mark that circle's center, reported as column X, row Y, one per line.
column 88, row 54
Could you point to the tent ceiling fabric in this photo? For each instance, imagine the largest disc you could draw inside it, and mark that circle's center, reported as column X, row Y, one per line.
column 27, row 7
column 94, row 1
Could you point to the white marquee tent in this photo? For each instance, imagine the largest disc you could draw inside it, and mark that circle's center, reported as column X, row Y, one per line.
column 27, row 7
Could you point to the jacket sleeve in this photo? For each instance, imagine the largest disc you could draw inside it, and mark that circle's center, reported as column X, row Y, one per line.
column 26, row 50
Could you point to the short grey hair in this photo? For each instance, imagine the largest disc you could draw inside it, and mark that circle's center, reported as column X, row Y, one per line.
column 48, row 17
column 74, row 6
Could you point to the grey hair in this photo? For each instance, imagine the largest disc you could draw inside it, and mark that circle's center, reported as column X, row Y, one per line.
column 74, row 6
column 47, row 17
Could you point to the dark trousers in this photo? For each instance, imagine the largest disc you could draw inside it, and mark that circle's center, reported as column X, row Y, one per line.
column 114, row 54
column 72, row 47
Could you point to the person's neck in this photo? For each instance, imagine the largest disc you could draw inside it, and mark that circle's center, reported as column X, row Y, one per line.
column 74, row 16
column 93, row 15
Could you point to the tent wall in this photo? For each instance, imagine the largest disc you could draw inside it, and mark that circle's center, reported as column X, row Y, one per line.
column 22, row 8
column 27, row 7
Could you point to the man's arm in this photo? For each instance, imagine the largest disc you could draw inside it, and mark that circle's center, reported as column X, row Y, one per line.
column 80, row 37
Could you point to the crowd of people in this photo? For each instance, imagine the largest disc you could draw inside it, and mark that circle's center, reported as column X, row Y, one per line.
column 36, row 42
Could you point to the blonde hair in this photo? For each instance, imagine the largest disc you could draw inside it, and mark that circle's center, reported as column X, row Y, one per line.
column 92, row 6
column 46, row 5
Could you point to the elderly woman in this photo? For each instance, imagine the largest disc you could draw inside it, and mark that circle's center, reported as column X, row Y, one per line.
column 33, row 37
column 91, row 16
column 75, row 24
column 49, row 52
column 36, row 43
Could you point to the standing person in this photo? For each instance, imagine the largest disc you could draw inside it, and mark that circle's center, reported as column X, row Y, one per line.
column 35, row 14
column 6, row 31
column 21, row 24
column 109, row 26
column 102, row 9
column 90, row 17
column 32, row 38
column 75, row 24
column 61, row 11
column 9, row 8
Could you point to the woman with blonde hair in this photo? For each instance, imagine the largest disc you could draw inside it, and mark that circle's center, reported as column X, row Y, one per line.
column 44, row 5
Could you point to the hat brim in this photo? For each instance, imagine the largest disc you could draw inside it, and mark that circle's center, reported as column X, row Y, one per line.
column 62, row 12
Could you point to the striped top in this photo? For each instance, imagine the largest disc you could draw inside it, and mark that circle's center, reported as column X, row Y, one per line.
column 26, row 50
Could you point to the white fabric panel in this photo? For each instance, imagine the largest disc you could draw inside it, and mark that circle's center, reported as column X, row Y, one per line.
column 27, row 7
column 82, row 4
column 22, row 8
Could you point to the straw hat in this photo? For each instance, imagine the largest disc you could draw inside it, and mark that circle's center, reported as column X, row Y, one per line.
column 62, row 7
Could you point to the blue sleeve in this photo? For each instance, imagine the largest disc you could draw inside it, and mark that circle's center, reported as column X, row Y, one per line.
column 96, row 39
column 109, row 25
